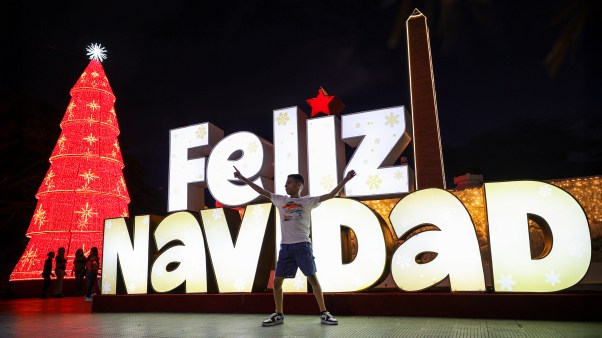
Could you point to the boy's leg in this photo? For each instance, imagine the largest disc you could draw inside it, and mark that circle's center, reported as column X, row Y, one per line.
column 277, row 317
column 278, row 293
column 315, row 285
column 325, row 316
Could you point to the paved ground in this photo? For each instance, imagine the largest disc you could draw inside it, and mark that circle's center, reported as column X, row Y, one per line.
column 71, row 317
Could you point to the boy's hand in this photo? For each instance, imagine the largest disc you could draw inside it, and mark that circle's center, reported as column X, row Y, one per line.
column 237, row 173
column 253, row 186
column 351, row 174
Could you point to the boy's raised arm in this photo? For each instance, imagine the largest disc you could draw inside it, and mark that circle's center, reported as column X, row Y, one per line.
column 254, row 186
column 351, row 174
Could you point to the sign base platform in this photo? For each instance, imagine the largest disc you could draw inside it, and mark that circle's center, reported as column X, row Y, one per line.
column 581, row 306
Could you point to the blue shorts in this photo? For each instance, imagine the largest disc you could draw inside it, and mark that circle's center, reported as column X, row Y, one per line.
column 293, row 256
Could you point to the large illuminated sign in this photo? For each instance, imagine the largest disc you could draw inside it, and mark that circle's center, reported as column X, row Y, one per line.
column 201, row 157
column 454, row 241
column 567, row 237
column 427, row 237
column 239, row 255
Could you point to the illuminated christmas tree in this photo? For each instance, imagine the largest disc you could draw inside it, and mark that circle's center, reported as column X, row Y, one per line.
column 85, row 183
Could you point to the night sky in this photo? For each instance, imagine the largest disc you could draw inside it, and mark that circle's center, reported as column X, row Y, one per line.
column 509, row 106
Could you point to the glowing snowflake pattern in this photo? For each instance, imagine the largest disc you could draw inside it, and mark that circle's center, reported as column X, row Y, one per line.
column 252, row 147
column 108, row 224
column 61, row 143
column 96, row 52
column 84, row 216
column 201, row 132
column 39, row 217
column 88, row 176
column 48, row 181
column 358, row 281
column 132, row 288
column 506, row 282
column 88, row 154
column 239, row 285
column 106, row 287
column 299, row 282
column 90, row 119
column 552, row 278
column 545, row 191
column 90, row 139
column 70, row 109
column 118, row 189
column 113, row 114
column 402, row 261
column 576, row 249
column 29, row 258
column 392, row 120
column 398, row 175
column 282, row 119
column 373, row 182
column 217, row 214
column 403, row 223
column 93, row 105
column 327, row 182
column 121, row 185
column 258, row 211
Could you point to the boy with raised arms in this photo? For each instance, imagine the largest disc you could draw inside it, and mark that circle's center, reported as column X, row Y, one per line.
column 295, row 246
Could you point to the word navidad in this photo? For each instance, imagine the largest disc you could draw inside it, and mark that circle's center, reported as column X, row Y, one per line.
column 215, row 251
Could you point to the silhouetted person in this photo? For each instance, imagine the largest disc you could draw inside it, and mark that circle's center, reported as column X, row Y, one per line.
column 59, row 269
column 46, row 273
column 79, row 270
column 92, row 266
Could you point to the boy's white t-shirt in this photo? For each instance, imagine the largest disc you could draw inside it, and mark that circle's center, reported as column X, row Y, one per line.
column 295, row 217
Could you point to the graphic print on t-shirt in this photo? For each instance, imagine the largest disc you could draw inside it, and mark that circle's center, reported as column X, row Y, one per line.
column 292, row 211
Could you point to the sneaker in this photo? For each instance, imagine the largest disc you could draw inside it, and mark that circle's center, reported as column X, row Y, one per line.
column 327, row 318
column 87, row 299
column 274, row 319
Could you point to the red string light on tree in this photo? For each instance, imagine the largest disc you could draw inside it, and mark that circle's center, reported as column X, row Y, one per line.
column 85, row 183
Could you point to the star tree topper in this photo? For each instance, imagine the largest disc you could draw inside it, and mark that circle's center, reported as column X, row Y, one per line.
column 326, row 104
column 96, row 52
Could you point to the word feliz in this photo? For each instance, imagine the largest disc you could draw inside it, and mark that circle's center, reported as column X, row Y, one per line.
column 220, row 253
column 200, row 157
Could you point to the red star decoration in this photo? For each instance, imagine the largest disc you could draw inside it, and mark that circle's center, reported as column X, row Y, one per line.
column 324, row 103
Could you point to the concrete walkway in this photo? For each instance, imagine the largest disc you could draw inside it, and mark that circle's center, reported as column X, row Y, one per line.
column 72, row 317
